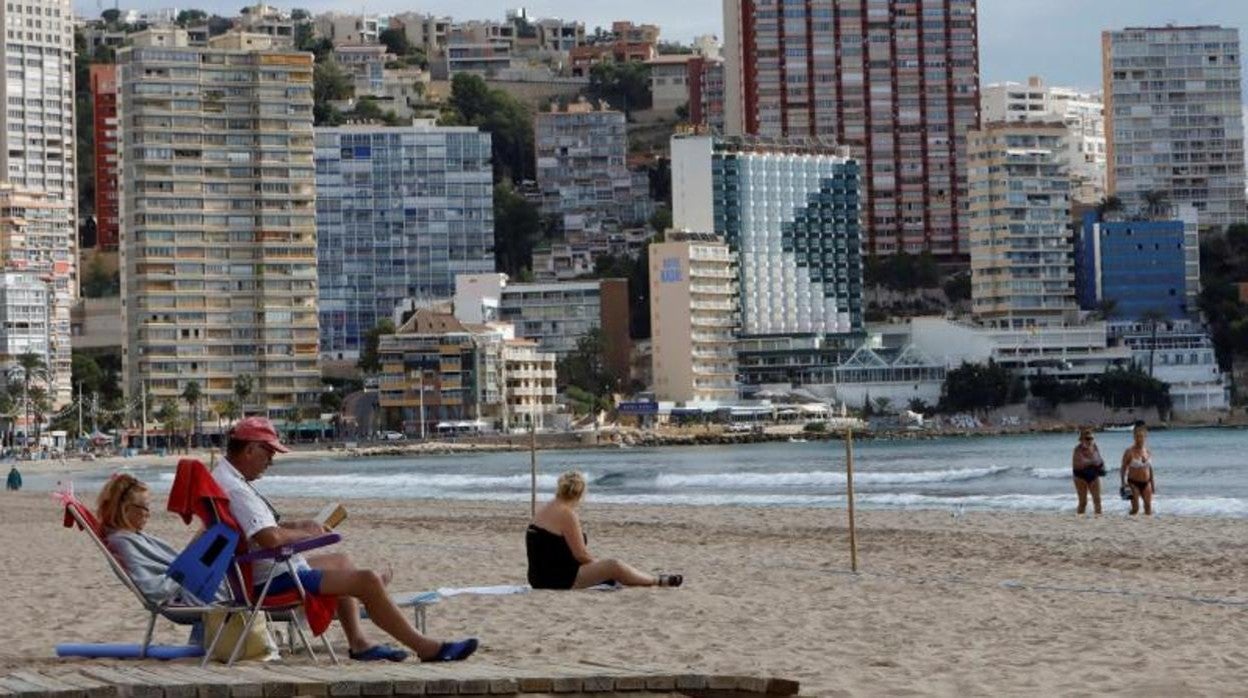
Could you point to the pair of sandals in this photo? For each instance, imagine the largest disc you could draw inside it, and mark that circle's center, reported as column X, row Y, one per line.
column 448, row 652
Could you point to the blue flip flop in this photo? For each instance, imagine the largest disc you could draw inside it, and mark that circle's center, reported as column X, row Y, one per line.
column 455, row 651
column 378, row 653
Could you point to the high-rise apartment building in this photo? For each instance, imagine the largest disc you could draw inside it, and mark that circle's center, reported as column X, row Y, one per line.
column 1083, row 114
column 37, row 241
column 37, row 159
column 104, row 112
column 692, row 318
column 1173, row 101
column 1022, row 253
column 896, row 81
column 218, row 254
column 400, row 211
column 790, row 213
column 38, row 119
column 582, row 170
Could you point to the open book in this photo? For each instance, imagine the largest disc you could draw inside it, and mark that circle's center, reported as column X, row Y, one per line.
column 332, row 515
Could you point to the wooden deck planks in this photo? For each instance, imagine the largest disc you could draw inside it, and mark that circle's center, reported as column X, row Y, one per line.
column 253, row 680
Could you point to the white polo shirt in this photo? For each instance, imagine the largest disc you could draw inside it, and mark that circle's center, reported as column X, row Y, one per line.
column 253, row 513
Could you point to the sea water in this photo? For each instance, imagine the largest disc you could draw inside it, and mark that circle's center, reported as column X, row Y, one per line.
column 1199, row 472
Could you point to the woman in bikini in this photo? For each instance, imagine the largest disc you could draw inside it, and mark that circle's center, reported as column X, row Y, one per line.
column 1088, row 468
column 1137, row 471
column 558, row 558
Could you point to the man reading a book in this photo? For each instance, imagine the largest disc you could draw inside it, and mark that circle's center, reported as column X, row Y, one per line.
column 248, row 454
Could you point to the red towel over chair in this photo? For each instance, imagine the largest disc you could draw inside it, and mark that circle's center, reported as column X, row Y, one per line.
column 196, row 494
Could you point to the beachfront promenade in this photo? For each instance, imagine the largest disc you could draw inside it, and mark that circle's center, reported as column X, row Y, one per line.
column 253, row 680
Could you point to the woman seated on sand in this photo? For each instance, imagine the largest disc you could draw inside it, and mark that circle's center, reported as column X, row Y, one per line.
column 1088, row 469
column 558, row 558
column 123, row 509
column 1137, row 471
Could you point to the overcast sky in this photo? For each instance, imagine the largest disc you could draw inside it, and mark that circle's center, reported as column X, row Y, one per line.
column 1059, row 39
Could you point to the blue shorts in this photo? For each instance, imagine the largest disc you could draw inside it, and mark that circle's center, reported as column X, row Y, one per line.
column 282, row 583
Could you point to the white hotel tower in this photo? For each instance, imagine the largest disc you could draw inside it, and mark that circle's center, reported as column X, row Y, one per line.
column 790, row 213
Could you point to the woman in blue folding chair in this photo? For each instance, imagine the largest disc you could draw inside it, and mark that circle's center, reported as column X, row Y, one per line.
column 123, row 509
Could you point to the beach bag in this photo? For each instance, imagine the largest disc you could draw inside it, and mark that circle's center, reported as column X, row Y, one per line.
column 258, row 645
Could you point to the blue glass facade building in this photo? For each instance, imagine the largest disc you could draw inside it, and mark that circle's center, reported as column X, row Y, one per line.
column 400, row 211
column 1140, row 265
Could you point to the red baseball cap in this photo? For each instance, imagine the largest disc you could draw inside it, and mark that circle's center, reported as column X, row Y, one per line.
column 258, row 429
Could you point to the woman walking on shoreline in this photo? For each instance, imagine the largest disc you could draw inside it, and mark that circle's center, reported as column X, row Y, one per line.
column 1088, row 466
column 1137, row 471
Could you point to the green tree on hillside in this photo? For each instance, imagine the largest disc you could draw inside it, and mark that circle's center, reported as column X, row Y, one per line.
column 369, row 361
column 508, row 121
column 624, row 86
column 517, row 230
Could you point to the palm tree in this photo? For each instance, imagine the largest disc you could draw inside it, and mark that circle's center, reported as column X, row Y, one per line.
column 10, row 401
column 1156, row 204
column 1107, row 308
column 1109, row 204
column 192, row 394
column 243, row 387
column 170, row 418
column 32, row 367
column 39, row 405
column 227, row 410
column 1152, row 317
column 883, row 405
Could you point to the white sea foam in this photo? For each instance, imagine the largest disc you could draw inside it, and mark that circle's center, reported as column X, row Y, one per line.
column 822, row 478
column 1049, row 473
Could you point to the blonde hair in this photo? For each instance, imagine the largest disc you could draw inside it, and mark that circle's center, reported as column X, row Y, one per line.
column 1086, row 431
column 110, row 506
column 571, row 486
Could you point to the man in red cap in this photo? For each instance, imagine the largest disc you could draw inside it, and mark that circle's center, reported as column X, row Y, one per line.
column 248, row 454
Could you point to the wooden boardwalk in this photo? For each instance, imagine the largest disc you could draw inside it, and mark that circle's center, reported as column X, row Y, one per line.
column 150, row 679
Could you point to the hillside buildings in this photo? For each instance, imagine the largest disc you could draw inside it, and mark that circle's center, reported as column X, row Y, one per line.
column 218, row 255
column 582, row 172
column 693, row 318
column 400, row 212
column 1022, row 253
column 897, row 82
column 1173, row 101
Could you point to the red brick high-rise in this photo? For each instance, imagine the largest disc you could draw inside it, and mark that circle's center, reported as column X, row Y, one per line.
column 896, row 80
column 104, row 102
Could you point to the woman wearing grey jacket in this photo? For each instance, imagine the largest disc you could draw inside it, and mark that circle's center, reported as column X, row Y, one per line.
column 123, row 508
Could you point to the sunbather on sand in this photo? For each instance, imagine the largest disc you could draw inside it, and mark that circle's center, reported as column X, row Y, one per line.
column 558, row 556
column 124, row 508
column 248, row 454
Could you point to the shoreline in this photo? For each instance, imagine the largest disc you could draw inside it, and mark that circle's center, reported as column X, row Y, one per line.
column 615, row 438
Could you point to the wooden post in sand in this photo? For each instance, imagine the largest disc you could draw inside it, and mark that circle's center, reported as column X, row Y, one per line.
column 532, row 468
column 849, row 495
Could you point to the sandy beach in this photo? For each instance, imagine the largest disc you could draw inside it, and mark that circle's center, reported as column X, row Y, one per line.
column 982, row 604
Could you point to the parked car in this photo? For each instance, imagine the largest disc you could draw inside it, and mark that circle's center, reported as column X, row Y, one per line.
column 392, row 436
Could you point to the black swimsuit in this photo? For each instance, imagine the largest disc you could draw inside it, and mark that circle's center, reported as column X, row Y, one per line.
column 551, row 565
